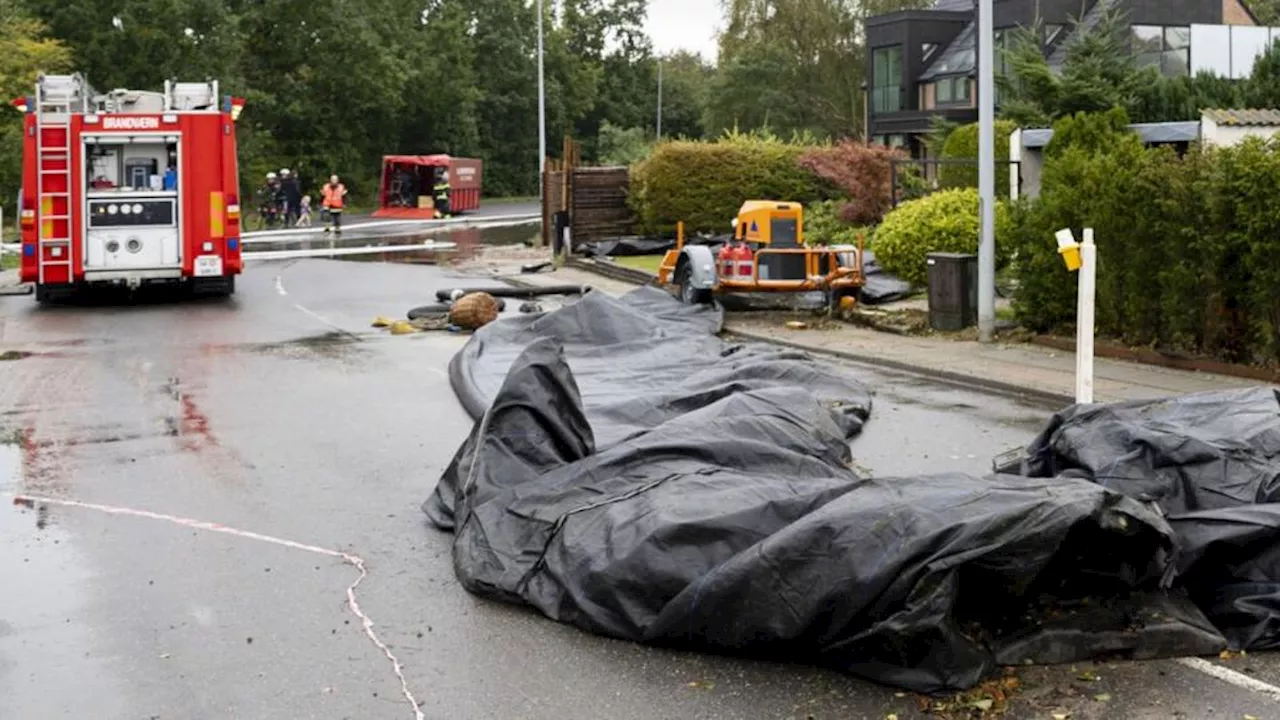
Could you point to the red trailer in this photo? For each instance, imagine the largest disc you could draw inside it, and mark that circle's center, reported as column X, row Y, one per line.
column 129, row 187
column 408, row 181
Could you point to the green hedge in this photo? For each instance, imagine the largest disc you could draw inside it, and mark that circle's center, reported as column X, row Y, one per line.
column 1187, row 246
column 704, row 183
column 945, row 221
column 962, row 144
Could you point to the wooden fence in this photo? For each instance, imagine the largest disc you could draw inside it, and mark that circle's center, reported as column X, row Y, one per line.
column 594, row 199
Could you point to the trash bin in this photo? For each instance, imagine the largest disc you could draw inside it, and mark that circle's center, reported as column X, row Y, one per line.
column 953, row 290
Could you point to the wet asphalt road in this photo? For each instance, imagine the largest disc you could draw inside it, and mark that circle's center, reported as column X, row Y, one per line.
column 281, row 413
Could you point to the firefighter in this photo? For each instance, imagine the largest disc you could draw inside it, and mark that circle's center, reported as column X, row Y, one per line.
column 268, row 200
column 335, row 194
column 441, row 194
column 292, row 196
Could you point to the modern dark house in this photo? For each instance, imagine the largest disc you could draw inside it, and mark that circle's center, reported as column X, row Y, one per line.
column 923, row 63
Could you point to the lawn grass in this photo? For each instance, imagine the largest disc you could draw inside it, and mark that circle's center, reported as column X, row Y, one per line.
column 509, row 200
column 9, row 261
column 647, row 263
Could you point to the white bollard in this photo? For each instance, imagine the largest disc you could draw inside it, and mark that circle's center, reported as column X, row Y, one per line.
column 1085, row 319
column 1084, row 258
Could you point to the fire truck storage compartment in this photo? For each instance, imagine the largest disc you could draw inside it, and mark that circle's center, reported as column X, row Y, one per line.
column 132, row 232
column 782, row 266
column 132, row 223
column 121, row 162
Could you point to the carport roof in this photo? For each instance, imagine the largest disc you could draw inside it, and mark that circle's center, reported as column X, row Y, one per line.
column 1151, row 133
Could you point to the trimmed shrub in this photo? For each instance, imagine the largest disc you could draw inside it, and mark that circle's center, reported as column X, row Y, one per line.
column 962, row 144
column 705, row 183
column 946, row 221
column 861, row 172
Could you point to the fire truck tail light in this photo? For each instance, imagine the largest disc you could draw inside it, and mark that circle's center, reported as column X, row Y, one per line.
column 233, row 211
column 233, row 244
column 28, row 218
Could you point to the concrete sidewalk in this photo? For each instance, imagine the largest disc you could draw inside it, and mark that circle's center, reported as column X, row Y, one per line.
column 1019, row 368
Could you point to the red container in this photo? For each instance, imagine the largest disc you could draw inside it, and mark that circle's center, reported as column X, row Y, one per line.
column 465, row 180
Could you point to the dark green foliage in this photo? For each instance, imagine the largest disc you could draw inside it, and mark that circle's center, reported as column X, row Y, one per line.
column 962, row 144
column 1186, row 244
column 704, row 184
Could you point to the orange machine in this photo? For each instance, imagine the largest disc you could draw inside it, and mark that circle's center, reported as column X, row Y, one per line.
column 768, row 254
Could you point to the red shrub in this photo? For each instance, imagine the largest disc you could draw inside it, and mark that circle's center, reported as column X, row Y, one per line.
column 861, row 172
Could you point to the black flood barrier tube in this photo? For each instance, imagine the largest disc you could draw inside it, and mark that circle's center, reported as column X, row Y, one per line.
column 517, row 292
column 632, row 474
column 442, row 308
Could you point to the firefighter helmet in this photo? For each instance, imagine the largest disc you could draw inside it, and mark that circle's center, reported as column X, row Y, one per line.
column 284, row 172
column 271, row 176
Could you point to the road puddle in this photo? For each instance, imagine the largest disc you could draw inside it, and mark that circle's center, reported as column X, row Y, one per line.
column 410, row 245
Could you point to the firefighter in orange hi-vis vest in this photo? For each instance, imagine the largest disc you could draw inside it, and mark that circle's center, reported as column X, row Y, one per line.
column 334, row 194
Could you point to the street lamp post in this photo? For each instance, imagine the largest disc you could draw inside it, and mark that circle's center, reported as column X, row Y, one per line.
column 986, row 175
column 659, row 134
column 542, row 124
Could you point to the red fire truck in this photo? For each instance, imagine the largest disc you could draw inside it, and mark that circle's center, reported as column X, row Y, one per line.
column 129, row 187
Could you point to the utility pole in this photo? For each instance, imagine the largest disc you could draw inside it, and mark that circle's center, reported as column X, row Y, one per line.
column 986, row 175
column 659, row 98
column 542, row 124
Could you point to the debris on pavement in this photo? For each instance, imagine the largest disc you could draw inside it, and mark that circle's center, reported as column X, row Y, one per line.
column 474, row 310
column 717, row 477
column 1210, row 462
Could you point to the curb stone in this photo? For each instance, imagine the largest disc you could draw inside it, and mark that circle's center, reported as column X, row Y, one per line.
column 1059, row 400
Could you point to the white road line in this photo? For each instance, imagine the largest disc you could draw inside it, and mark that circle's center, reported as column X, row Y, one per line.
column 353, row 560
column 280, row 285
column 262, row 235
column 333, row 252
column 1228, row 675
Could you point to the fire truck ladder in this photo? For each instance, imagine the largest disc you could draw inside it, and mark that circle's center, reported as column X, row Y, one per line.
column 57, row 97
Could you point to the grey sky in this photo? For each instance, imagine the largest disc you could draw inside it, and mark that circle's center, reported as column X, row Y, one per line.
column 684, row 25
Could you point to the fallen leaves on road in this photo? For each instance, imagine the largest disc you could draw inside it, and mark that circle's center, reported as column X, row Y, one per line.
column 988, row 700
column 702, row 685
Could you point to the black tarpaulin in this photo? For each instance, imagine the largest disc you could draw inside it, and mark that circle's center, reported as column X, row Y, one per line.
column 881, row 287
column 1211, row 462
column 633, row 475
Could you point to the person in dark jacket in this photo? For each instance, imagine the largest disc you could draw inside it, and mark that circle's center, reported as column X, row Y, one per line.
column 292, row 196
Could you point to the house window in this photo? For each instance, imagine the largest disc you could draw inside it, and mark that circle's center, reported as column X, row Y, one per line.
column 1000, row 45
column 1167, row 48
column 886, row 93
column 952, row 91
column 1052, row 33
